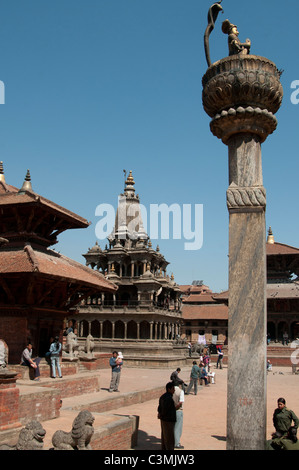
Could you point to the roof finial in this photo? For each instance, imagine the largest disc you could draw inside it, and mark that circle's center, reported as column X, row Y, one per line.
column 270, row 238
column 130, row 180
column 129, row 188
column 2, row 177
column 27, row 183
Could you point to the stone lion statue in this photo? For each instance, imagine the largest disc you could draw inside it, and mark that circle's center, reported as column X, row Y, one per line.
column 31, row 437
column 198, row 348
column 86, row 351
column 80, row 435
column 69, row 350
column 3, row 354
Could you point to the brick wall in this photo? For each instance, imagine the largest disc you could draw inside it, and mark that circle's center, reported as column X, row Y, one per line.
column 77, row 386
column 118, row 435
column 9, row 406
column 40, row 406
column 13, row 330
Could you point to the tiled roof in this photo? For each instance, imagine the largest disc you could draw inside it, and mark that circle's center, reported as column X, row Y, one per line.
column 280, row 291
column 52, row 264
column 199, row 298
column 14, row 198
column 283, row 291
column 205, row 312
column 280, row 249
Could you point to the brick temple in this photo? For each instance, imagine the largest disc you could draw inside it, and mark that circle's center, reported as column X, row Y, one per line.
column 38, row 285
column 206, row 312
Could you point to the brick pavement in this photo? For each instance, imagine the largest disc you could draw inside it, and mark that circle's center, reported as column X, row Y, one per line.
column 204, row 415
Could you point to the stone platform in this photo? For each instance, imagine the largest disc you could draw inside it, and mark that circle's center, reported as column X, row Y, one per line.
column 56, row 403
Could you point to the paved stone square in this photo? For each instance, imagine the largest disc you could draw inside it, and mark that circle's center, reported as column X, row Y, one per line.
column 204, row 415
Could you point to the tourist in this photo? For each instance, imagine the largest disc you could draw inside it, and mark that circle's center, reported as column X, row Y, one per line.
column 285, row 338
column 189, row 349
column 178, row 398
column 55, row 349
column 69, row 329
column 194, row 377
column 203, row 375
column 167, row 416
column 115, row 372
column 206, row 361
column 26, row 360
column 268, row 338
column 283, row 418
column 176, row 379
column 48, row 354
column 220, row 357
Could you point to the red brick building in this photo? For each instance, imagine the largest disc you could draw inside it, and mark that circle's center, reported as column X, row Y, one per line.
column 206, row 313
column 203, row 315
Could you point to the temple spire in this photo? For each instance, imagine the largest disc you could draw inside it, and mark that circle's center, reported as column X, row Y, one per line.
column 270, row 238
column 129, row 188
column 2, row 177
column 27, row 184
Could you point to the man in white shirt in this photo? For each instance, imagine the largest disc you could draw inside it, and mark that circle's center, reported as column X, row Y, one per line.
column 178, row 398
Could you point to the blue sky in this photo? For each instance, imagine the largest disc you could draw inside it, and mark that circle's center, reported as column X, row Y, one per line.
column 97, row 86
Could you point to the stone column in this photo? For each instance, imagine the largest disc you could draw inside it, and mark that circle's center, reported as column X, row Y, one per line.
column 151, row 330
column 241, row 93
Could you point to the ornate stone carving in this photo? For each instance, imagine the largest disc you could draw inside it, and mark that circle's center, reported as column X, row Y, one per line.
column 86, row 351
column 70, row 348
column 3, row 354
column 79, row 437
column 31, row 437
column 240, row 197
column 241, row 80
column 241, row 93
column 240, row 119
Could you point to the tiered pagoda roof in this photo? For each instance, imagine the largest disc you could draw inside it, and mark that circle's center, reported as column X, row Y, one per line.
column 31, row 274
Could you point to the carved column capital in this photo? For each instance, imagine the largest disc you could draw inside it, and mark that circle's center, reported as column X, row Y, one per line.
column 242, row 94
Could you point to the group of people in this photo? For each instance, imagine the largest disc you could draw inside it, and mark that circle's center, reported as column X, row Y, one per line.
column 170, row 413
column 53, row 356
column 171, row 403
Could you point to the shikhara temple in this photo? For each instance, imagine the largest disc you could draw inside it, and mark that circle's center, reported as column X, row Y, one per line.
column 38, row 285
column 143, row 317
